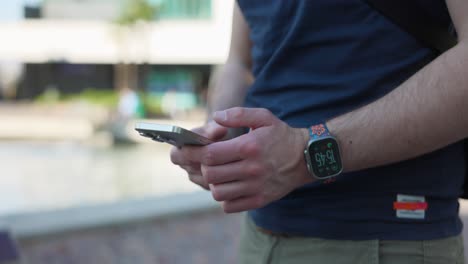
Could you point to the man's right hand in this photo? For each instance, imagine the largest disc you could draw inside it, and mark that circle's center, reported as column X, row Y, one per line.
column 188, row 159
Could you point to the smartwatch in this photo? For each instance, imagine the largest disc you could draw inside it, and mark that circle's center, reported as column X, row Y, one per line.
column 322, row 153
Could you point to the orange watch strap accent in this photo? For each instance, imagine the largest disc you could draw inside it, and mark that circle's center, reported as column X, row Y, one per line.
column 317, row 131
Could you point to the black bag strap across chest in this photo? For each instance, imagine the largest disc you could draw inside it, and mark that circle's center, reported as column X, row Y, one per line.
column 407, row 14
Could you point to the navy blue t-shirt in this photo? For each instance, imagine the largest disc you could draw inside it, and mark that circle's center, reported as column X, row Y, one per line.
column 313, row 60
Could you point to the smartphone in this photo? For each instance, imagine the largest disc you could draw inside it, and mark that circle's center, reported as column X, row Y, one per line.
column 173, row 135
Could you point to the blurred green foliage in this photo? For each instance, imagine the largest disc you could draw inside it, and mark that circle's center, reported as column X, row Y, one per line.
column 106, row 98
column 50, row 95
column 151, row 102
column 137, row 10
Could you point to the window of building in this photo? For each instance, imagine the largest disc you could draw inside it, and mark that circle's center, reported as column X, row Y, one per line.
column 185, row 9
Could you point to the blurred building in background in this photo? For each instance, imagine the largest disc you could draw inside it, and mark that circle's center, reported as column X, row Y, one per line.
column 72, row 74
column 68, row 46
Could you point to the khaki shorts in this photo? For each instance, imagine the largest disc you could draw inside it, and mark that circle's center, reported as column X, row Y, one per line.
column 258, row 247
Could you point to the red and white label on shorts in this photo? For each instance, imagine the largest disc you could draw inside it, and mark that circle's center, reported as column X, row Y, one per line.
column 410, row 206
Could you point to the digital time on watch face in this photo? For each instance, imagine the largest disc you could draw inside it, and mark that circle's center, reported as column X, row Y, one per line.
column 325, row 158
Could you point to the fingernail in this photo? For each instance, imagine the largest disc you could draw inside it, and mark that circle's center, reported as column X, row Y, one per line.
column 220, row 115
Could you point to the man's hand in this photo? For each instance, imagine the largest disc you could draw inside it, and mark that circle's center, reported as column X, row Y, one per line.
column 252, row 170
column 186, row 157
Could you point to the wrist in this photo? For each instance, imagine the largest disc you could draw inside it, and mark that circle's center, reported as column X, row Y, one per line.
column 322, row 153
column 304, row 172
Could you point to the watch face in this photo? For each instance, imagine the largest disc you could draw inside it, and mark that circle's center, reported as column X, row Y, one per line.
column 324, row 156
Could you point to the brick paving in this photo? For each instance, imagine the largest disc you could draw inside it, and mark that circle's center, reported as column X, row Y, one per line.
column 202, row 238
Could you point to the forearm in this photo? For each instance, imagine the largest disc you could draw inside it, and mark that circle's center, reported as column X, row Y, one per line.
column 229, row 87
column 425, row 113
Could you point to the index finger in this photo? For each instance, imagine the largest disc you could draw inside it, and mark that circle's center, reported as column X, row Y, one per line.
column 228, row 151
column 211, row 130
column 186, row 155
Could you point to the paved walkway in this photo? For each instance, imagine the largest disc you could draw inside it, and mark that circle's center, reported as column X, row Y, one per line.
column 201, row 238
column 210, row 237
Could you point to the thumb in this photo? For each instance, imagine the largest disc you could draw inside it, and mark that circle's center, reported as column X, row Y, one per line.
column 213, row 131
column 244, row 117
